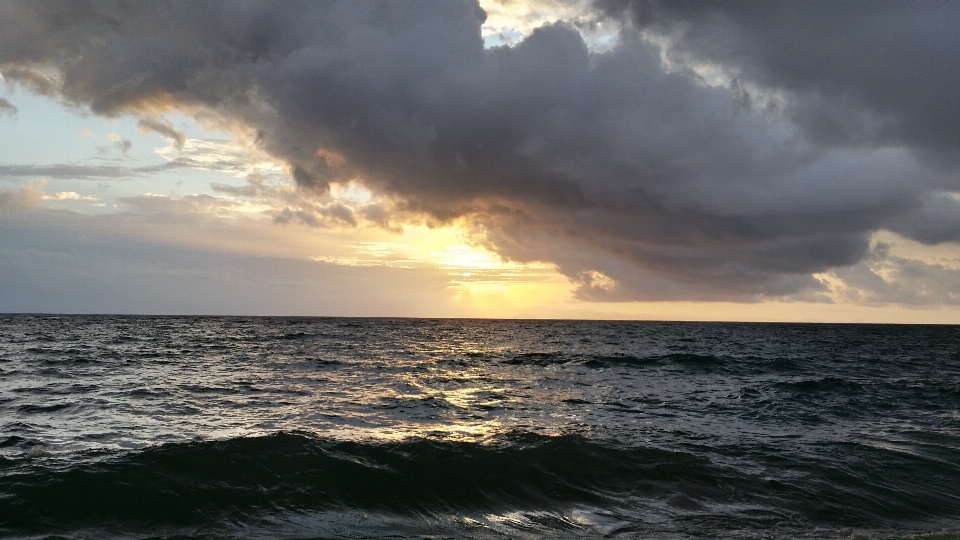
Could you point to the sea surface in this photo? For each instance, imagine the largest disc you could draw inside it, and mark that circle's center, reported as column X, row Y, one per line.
column 250, row 427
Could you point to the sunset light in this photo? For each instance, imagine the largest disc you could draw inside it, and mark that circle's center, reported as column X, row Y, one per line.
column 480, row 269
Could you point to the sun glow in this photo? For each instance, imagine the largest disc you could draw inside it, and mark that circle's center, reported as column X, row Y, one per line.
column 480, row 282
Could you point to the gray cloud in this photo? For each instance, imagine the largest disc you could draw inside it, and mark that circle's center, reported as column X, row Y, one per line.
column 129, row 279
column 249, row 190
column 287, row 207
column 182, row 207
column 60, row 266
column 937, row 220
column 6, row 107
column 124, row 146
column 37, row 81
column 605, row 163
column 881, row 278
column 20, row 198
column 858, row 72
column 164, row 128
column 75, row 171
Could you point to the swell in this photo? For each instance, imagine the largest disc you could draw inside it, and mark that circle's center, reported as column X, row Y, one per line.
column 682, row 360
column 688, row 360
column 245, row 479
column 193, row 482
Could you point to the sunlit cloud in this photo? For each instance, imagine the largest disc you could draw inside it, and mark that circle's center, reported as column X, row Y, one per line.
column 510, row 21
column 220, row 155
column 68, row 196
column 22, row 197
column 351, row 193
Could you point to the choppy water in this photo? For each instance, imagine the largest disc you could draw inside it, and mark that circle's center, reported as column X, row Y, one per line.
column 211, row 427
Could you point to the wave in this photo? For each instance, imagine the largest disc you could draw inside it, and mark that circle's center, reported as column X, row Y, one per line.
column 685, row 360
column 691, row 361
column 537, row 359
column 32, row 409
column 192, row 482
column 822, row 385
column 247, row 479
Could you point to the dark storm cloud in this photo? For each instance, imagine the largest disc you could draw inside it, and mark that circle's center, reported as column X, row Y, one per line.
column 881, row 71
column 937, row 221
column 609, row 164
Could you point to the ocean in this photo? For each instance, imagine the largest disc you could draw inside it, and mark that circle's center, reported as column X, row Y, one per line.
column 258, row 427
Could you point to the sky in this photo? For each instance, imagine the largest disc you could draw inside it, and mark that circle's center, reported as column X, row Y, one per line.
column 605, row 159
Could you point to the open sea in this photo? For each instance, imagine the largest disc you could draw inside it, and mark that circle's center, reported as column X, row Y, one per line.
column 255, row 427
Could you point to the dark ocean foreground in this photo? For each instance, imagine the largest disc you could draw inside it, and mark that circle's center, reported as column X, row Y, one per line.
column 217, row 427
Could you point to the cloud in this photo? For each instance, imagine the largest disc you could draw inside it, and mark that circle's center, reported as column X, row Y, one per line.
column 59, row 266
column 883, row 278
column 7, row 108
column 27, row 196
column 249, row 190
column 281, row 204
column 189, row 208
column 220, row 155
column 507, row 22
column 38, row 81
column 856, row 72
column 638, row 178
column 33, row 194
column 164, row 128
column 346, row 206
column 936, row 220
column 68, row 196
column 77, row 171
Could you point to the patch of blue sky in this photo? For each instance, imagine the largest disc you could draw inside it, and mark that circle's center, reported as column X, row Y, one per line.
column 499, row 37
column 601, row 40
column 45, row 132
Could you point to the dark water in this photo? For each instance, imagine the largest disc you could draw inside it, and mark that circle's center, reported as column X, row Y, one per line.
column 191, row 427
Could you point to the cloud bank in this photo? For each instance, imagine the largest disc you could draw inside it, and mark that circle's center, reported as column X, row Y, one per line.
column 714, row 152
